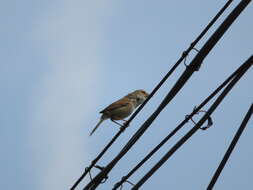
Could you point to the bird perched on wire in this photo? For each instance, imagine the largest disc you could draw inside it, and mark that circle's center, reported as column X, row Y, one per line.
column 122, row 108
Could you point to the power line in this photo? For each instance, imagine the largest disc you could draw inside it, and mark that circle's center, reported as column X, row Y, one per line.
column 183, row 56
column 194, row 66
column 247, row 65
column 230, row 148
column 172, row 133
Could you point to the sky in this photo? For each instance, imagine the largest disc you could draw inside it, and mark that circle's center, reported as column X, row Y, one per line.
column 64, row 61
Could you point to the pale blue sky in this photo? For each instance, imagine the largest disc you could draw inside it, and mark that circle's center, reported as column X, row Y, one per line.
column 63, row 61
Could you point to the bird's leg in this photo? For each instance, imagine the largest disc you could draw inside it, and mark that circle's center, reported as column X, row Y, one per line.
column 116, row 122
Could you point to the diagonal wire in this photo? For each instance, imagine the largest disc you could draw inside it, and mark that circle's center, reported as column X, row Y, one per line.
column 248, row 64
column 230, row 148
column 183, row 56
column 194, row 66
column 172, row 133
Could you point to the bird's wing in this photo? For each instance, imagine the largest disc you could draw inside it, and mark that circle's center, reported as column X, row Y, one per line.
column 118, row 104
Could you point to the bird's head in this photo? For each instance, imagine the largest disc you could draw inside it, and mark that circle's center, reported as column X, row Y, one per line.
column 139, row 96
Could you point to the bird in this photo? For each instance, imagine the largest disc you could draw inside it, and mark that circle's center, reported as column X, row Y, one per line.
column 122, row 108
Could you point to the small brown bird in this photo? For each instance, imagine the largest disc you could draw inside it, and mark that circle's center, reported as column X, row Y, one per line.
column 122, row 108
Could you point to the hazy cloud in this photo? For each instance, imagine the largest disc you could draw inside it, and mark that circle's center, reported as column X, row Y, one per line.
column 70, row 35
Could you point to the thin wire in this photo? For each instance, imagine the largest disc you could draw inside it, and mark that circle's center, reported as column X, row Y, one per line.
column 172, row 133
column 194, row 66
column 230, row 148
column 248, row 64
column 183, row 56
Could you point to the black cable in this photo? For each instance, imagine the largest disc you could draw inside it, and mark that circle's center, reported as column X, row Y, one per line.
column 87, row 170
column 248, row 64
column 183, row 56
column 230, row 148
column 194, row 66
column 124, row 178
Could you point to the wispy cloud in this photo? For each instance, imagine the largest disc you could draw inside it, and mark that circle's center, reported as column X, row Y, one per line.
column 70, row 33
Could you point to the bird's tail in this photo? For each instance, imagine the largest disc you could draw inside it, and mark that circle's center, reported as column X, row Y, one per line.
column 95, row 128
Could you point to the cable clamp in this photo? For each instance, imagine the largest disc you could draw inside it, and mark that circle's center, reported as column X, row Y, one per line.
column 209, row 120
